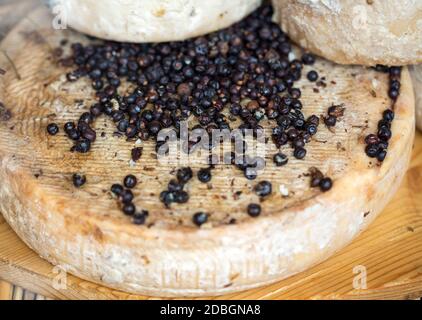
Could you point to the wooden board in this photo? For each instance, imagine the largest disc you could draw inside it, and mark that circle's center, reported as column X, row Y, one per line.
column 92, row 290
column 390, row 250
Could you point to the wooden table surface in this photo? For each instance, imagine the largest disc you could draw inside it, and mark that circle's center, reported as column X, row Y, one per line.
column 390, row 250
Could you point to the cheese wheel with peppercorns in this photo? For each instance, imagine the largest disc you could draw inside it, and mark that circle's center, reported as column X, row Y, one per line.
column 416, row 73
column 355, row 31
column 173, row 251
column 150, row 20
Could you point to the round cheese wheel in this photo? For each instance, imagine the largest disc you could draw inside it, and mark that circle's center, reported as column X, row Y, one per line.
column 355, row 31
column 150, row 20
column 416, row 73
column 84, row 231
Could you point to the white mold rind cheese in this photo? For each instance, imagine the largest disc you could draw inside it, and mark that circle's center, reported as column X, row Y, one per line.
column 355, row 31
column 151, row 20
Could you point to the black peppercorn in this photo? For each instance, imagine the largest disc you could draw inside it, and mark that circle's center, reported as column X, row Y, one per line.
column 371, row 139
column 174, row 186
column 97, row 84
column 89, row 134
column 316, row 177
column 388, row 115
column 126, row 196
column 96, row 110
column 280, row 159
column 250, row 174
column 263, row 188
column 325, row 184
column 371, row 150
column 73, row 134
column 117, row 189
column 83, row 146
column 123, row 125
column 395, row 71
column 299, row 153
column 312, row 76
column 393, row 93
column 200, row 218
column 136, row 153
column 154, row 127
column 204, row 175
column 78, row 180
column 308, row 58
column 140, row 218
column 181, row 197
column 381, row 155
column 69, row 126
column 129, row 209
column 184, row 174
column 384, row 133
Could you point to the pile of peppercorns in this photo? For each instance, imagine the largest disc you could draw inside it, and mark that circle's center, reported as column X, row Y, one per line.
column 377, row 144
column 245, row 67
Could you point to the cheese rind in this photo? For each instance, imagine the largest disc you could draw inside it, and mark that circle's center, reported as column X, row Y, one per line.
column 355, row 31
column 151, row 21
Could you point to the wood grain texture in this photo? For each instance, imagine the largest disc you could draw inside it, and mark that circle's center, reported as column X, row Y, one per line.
column 390, row 250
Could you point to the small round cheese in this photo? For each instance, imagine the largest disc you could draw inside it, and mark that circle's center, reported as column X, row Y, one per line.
column 416, row 73
column 365, row 32
column 150, row 20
